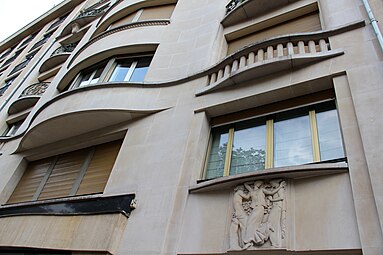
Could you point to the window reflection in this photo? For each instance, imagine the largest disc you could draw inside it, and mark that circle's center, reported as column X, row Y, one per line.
column 217, row 154
column 292, row 140
column 249, row 146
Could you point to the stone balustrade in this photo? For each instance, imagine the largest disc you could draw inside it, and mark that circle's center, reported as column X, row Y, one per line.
column 268, row 53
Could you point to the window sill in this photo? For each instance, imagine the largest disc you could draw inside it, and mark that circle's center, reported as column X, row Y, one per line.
column 291, row 172
column 81, row 205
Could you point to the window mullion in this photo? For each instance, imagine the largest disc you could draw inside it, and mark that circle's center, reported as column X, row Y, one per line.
column 130, row 72
column 45, row 179
column 108, row 70
column 229, row 150
column 207, row 156
column 269, row 161
column 314, row 136
column 82, row 172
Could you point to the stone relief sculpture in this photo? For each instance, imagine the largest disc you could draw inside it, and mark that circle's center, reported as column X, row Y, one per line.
column 259, row 215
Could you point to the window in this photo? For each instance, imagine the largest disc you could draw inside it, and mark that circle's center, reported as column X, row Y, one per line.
column 6, row 85
column 75, row 173
column 90, row 76
column 149, row 13
column 294, row 137
column 12, row 128
column 131, row 69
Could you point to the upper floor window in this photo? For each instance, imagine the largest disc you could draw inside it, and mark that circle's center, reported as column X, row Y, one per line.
column 132, row 69
column 12, row 128
column 286, row 23
column 75, row 173
column 148, row 13
column 6, row 85
column 294, row 137
column 91, row 76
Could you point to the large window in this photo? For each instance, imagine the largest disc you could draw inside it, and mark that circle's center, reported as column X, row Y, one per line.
column 129, row 69
column 294, row 137
column 75, row 173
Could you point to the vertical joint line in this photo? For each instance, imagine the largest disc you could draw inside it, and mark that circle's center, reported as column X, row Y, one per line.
column 229, row 150
column 269, row 162
column 314, row 136
column 82, row 172
column 45, row 179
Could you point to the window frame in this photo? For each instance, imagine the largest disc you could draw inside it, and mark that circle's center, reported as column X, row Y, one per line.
column 108, row 69
column 270, row 145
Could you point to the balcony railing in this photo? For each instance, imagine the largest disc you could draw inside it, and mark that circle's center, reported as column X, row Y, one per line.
column 65, row 49
column 57, row 22
column 36, row 89
column 269, row 53
column 20, row 66
column 9, row 60
column 41, row 42
column 232, row 4
column 3, row 89
column 90, row 13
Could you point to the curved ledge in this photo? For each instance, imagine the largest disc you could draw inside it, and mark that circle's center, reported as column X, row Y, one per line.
column 237, row 11
column 72, row 113
column 291, row 172
column 23, row 104
column 122, row 8
column 53, row 61
column 266, row 67
column 119, row 29
column 295, row 38
column 80, row 22
column 84, row 205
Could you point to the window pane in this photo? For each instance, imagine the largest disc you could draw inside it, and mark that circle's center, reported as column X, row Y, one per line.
column 249, row 147
column 292, row 139
column 141, row 69
column 217, row 154
column 121, row 70
column 97, row 74
column 330, row 140
column 85, row 79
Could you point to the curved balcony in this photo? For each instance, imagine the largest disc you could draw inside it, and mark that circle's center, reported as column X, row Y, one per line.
column 75, row 110
column 28, row 97
column 85, row 17
column 121, row 9
column 271, row 56
column 112, row 43
column 241, row 10
column 60, row 55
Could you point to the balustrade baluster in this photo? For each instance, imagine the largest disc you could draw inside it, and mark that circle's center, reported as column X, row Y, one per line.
column 323, row 45
column 251, row 58
column 290, row 48
column 213, row 78
column 234, row 67
column 242, row 62
column 301, row 47
column 280, row 50
column 312, row 47
column 270, row 52
column 261, row 55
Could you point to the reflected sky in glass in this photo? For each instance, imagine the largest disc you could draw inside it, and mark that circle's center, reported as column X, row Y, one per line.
column 330, row 140
column 292, row 142
column 249, row 148
column 217, row 155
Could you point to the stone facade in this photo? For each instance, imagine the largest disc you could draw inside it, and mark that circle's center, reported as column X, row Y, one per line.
column 214, row 127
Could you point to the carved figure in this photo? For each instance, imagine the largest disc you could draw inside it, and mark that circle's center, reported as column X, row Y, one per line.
column 238, row 221
column 276, row 212
column 259, row 215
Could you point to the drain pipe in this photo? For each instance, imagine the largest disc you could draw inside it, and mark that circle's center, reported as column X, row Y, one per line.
column 374, row 23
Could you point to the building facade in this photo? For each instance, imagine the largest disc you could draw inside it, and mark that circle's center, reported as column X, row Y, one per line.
column 193, row 127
